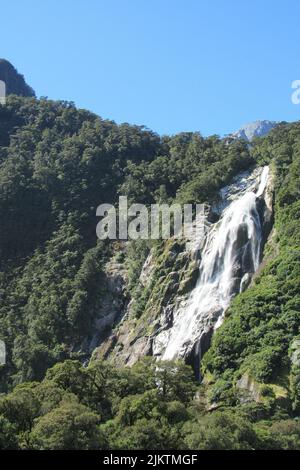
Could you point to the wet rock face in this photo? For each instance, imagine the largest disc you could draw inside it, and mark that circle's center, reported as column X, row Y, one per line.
column 245, row 282
column 182, row 323
column 201, row 346
column 265, row 210
column 229, row 258
column 241, row 237
column 235, row 286
column 246, row 260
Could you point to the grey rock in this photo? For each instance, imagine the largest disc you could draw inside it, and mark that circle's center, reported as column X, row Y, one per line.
column 295, row 352
column 248, row 384
column 254, row 129
column 246, row 279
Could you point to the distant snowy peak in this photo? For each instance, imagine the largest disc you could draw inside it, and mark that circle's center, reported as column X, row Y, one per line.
column 254, row 129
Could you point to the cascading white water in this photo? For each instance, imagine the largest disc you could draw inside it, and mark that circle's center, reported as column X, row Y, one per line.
column 231, row 253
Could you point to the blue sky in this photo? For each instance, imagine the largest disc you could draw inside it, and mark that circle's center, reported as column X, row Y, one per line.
column 172, row 65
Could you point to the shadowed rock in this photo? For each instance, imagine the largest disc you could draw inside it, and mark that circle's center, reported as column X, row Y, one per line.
column 15, row 82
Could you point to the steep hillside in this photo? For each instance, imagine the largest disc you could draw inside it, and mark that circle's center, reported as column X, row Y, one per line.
column 255, row 129
column 259, row 341
column 186, row 285
column 57, row 165
column 74, row 310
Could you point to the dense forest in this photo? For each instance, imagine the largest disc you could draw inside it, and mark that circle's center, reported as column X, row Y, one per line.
column 57, row 164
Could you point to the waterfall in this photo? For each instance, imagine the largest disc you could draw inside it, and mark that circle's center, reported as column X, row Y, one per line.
column 230, row 256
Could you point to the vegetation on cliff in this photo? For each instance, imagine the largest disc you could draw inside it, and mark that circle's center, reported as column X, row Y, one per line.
column 57, row 164
column 14, row 82
column 263, row 323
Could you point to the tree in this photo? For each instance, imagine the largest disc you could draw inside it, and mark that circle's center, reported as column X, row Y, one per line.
column 8, row 436
column 69, row 426
column 175, row 381
column 220, row 431
column 21, row 407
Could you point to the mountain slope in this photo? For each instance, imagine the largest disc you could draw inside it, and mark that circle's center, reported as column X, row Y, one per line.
column 258, row 342
column 57, row 164
column 15, row 83
column 254, row 129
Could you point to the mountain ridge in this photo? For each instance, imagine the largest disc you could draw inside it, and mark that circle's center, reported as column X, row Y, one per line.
column 14, row 81
column 253, row 129
column 58, row 284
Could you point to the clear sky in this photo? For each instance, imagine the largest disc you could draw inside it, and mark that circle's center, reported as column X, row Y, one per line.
column 172, row 65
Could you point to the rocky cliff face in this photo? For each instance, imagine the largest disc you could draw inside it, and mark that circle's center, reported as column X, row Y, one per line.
column 15, row 83
column 172, row 323
column 254, row 129
column 113, row 305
